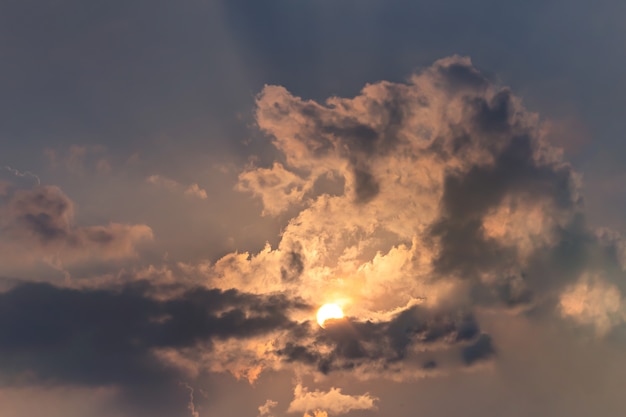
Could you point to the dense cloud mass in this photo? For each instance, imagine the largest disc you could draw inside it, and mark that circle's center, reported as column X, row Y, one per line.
column 382, row 347
column 100, row 337
column 414, row 206
column 438, row 195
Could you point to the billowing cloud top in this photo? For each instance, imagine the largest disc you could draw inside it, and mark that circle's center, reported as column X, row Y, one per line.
column 412, row 205
column 408, row 191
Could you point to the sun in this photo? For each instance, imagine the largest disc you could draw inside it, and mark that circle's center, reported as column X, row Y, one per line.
column 328, row 311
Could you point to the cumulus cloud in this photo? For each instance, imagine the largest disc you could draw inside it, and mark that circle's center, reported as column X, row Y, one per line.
column 192, row 190
column 444, row 178
column 445, row 191
column 266, row 408
column 593, row 301
column 333, row 402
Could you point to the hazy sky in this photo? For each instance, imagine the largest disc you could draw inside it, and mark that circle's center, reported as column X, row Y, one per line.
column 183, row 184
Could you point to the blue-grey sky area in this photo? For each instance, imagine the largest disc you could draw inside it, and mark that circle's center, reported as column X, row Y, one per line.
column 184, row 184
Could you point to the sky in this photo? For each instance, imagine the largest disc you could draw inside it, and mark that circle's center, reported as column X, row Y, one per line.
column 184, row 184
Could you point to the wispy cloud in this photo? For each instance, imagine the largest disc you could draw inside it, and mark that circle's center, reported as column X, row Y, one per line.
column 192, row 190
column 23, row 174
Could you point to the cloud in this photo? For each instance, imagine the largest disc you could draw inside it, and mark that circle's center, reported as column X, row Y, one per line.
column 23, row 174
column 317, row 413
column 593, row 301
column 112, row 337
column 192, row 190
column 265, row 409
column 42, row 220
column 333, row 401
column 195, row 191
column 446, row 177
column 415, row 339
column 277, row 187
column 445, row 190
column 191, row 406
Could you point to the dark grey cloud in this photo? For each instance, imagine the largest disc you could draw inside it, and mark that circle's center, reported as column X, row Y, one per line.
column 508, row 290
column 452, row 162
column 100, row 337
column 366, row 186
column 293, row 265
column 481, row 349
column 377, row 346
column 469, row 196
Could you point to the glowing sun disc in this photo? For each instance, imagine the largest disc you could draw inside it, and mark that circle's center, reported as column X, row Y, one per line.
column 327, row 312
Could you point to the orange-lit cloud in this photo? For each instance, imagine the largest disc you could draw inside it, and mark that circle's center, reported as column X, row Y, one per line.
column 593, row 301
column 333, row 402
column 265, row 410
column 413, row 203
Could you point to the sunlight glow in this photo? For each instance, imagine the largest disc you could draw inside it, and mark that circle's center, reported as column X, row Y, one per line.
column 327, row 312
